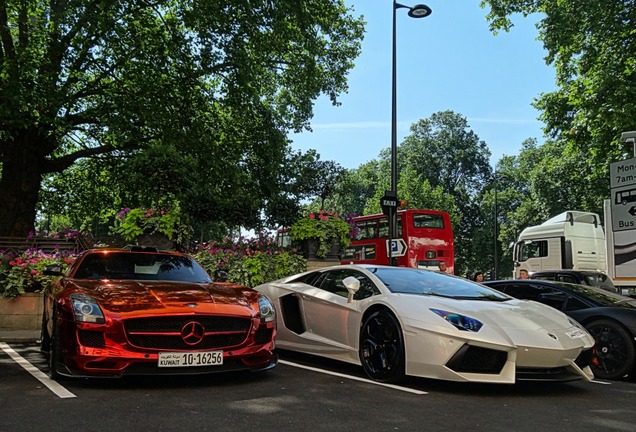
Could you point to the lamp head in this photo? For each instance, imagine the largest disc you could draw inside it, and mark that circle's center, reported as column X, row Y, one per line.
column 420, row 11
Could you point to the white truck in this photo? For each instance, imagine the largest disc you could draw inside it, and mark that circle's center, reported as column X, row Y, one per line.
column 572, row 240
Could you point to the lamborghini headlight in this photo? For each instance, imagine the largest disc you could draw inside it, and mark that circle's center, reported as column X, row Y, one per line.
column 461, row 322
column 266, row 309
column 86, row 309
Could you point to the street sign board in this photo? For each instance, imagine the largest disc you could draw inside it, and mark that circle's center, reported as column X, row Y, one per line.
column 623, row 194
column 388, row 203
column 397, row 248
column 623, row 173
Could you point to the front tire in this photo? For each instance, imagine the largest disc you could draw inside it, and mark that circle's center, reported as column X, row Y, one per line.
column 54, row 350
column 45, row 339
column 614, row 351
column 382, row 347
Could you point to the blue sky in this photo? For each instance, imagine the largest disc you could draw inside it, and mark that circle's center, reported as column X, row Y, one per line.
column 446, row 61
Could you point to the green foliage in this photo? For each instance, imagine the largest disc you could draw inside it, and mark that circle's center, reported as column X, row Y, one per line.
column 356, row 187
column 132, row 223
column 250, row 262
column 444, row 165
column 325, row 227
column 206, row 88
column 593, row 48
column 23, row 272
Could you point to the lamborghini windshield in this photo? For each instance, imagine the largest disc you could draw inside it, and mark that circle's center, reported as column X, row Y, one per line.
column 425, row 282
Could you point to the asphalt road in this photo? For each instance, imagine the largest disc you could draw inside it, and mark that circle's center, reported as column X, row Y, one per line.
column 301, row 394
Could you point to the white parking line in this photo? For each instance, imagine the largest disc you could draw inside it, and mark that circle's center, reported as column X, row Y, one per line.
column 393, row 386
column 37, row 373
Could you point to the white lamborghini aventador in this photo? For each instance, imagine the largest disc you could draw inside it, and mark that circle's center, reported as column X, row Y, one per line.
column 397, row 321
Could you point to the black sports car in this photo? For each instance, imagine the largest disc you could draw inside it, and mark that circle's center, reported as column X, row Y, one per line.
column 582, row 277
column 609, row 317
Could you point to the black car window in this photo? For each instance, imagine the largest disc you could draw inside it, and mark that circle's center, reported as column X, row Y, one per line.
column 554, row 298
column 573, row 304
column 567, row 278
column 550, row 277
column 521, row 291
column 539, row 293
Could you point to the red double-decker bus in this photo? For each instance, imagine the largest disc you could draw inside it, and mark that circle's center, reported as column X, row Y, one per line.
column 426, row 239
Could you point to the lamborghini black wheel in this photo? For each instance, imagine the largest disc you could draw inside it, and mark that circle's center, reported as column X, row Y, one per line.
column 382, row 347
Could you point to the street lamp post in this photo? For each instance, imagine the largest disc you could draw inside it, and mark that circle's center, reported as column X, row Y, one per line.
column 417, row 11
column 496, row 269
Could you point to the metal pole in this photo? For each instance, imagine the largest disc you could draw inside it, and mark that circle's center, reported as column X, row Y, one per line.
column 394, row 175
column 495, row 276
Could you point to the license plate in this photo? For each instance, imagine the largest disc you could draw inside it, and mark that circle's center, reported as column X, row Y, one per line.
column 187, row 359
column 575, row 334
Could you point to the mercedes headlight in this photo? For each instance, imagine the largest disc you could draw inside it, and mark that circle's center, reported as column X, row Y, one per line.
column 266, row 309
column 86, row 309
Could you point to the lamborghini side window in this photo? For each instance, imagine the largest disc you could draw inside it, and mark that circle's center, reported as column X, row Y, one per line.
column 332, row 282
column 313, row 279
column 367, row 288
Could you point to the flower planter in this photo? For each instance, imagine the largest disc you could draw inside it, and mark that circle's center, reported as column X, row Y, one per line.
column 21, row 313
column 155, row 239
column 310, row 246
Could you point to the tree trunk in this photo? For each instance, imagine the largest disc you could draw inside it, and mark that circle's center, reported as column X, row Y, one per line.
column 23, row 161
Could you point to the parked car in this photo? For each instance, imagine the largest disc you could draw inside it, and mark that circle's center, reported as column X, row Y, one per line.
column 397, row 321
column 581, row 277
column 141, row 311
column 609, row 317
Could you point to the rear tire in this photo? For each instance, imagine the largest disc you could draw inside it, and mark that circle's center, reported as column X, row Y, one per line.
column 382, row 347
column 614, row 351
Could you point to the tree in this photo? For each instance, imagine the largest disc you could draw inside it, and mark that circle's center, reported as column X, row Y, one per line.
column 443, row 151
column 593, row 47
column 357, row 187
column 224, row 81
column 446, row 152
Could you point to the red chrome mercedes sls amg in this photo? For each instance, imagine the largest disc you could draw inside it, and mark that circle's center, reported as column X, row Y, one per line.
column 140, row 311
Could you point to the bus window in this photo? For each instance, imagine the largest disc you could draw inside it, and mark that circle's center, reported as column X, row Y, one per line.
column 422, row 236
column 368, row 230
column 384, row 228
column 428, row 221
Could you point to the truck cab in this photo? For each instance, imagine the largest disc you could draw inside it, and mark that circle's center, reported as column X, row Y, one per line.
column 572, row 240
